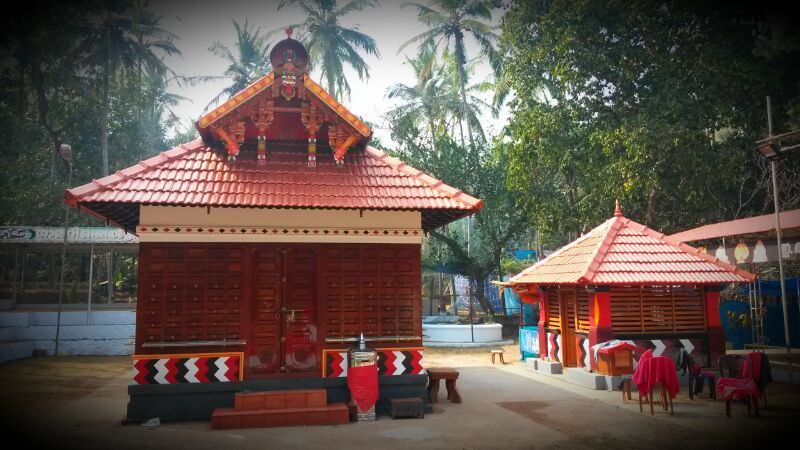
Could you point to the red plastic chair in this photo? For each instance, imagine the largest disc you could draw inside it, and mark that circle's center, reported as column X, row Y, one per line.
column 738, row 384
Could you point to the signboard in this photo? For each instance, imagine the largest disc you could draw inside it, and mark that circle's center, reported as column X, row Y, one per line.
column 749, row 251
column 529, row 342
column 75, row 235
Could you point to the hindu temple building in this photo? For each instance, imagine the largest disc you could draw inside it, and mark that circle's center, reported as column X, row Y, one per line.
column 268, row 245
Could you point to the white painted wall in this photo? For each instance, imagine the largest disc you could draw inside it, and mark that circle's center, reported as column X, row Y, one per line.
column 106, row 333
column 435, row 333
column 354, row 221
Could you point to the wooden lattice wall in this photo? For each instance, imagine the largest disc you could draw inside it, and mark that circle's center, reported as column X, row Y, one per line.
column 645, row 309
column 204, row 292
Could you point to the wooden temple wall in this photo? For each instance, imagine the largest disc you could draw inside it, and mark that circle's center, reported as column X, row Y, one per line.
column 665, row 318
column 272, row 291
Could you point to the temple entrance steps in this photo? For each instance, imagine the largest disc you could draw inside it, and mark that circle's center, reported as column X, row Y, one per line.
column 280, row 409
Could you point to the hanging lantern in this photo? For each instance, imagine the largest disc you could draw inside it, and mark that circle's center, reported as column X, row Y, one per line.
column 312, row 152
column 262, row 149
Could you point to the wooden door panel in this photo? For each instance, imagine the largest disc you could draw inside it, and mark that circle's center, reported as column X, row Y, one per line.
column 569, row 324
column 265, row 316
column 299, row 303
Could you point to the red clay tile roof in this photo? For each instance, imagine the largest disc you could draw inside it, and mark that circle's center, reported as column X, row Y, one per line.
column 621, row 251
column 758, row 225
column 194, row 174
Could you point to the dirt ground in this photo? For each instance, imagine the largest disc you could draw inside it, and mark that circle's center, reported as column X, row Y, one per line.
column 39, row 383
column 79, row 403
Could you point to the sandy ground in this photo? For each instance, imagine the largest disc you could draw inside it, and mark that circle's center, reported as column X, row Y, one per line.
column 79, row 402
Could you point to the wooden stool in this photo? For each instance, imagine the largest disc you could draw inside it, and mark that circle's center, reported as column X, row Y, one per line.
column 450, row 376
column 625, row 388
column 498, row 352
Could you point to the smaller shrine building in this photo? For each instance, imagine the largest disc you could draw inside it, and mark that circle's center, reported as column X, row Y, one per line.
column 625, row 281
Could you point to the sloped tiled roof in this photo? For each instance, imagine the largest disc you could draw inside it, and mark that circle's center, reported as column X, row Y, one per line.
column 751, row 226
column 621, row 251
column 194, row 174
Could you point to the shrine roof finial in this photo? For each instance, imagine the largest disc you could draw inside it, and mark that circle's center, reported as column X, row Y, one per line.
column 617, row 209
column 289, row 31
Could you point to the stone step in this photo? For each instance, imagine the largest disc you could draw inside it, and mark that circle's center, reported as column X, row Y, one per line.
column 266, row 400
column 229, row 418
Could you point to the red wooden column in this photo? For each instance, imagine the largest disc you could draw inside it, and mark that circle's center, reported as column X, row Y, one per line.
column 599, row 320
column 543, row 353
column 716, row 336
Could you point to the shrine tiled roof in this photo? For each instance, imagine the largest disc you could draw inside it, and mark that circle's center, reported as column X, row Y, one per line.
column 623, row 252
column 195, row 174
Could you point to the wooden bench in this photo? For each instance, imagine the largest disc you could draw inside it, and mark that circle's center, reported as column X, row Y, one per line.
column 498, row 352
column 450, row 376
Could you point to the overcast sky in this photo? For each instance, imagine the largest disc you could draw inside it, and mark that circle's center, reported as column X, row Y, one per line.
column 199, row 24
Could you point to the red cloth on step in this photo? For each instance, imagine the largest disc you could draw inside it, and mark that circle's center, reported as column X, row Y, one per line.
column 363, row 384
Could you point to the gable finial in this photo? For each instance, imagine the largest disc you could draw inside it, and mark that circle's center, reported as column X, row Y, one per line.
column 617, row 209
column 289, row 31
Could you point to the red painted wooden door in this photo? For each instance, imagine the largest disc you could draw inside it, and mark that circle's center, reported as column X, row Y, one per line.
column 568, row 324
column 283, row 328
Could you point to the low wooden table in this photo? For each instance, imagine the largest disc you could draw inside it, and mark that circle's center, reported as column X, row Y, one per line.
column 443, row 373
column 406, row 407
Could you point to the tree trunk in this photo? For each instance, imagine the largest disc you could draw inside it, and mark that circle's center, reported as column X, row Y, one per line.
column 462, row 82
column 652, row 202
column 104, row 111
column 433, row 134
column 480, row 295
column 331, row 85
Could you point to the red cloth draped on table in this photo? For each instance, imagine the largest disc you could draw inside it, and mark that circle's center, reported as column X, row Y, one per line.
column 656, row 369
column 363, row 384
column 640, row 374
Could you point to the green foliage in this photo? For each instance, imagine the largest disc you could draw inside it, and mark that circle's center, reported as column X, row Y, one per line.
column 655, row 104
column 513, row 266
column 448, row 23
column 247, row 63
column 54, row 90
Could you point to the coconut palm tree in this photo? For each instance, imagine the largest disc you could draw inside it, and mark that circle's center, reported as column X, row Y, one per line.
column 452, row 97
column 116, row 44
column 449, row 22
column 248, row 62
column 423, row 102
column 332, row 45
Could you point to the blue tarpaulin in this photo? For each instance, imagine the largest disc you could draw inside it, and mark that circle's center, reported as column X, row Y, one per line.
column 529, row 342
column 773, row 318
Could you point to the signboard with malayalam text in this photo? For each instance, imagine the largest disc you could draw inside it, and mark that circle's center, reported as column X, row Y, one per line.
column 75, row 235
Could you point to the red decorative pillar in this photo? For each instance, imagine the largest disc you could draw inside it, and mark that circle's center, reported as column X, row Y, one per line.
column 543, row 353
column 716, row 336
column 599, row 320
